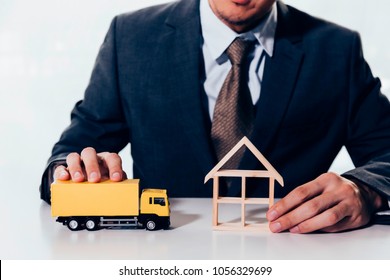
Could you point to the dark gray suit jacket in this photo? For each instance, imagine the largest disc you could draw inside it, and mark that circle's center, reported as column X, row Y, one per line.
column 318, row 94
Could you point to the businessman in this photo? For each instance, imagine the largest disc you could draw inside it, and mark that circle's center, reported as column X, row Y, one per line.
column 182, row 81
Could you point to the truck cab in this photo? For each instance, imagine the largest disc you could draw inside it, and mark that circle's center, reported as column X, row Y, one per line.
column 154, row 209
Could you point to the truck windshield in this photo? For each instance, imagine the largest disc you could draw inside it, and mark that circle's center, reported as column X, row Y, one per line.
column 159, row 200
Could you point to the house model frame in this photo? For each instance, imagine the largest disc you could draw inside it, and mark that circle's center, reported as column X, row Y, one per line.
column 217, row 172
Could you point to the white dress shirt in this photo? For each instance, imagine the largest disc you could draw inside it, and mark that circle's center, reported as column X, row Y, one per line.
column 216, row 39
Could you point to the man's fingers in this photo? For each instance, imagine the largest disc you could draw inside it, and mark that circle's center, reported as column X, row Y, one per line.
column 91, row 164
column 331, row 218
column 329, row 203
column 304, row 212
column 293, row 199
column 342, row 225
column 93, row 167
column 114, row 164
column 75, row 169
column 61, row 173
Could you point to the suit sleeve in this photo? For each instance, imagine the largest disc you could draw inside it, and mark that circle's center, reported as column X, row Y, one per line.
column 368, row 140
column 98, row 120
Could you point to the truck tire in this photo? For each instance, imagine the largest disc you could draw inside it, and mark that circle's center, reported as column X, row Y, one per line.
column 91, row 224
column 151, row 225
column 73, row 224
column 167, row 225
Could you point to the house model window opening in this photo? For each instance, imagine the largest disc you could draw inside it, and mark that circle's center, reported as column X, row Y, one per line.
column 217, row 172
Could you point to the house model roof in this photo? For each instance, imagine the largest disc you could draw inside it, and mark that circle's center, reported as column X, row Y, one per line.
column 245, row 142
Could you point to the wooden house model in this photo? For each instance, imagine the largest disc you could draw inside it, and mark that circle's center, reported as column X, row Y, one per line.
column 217, row 172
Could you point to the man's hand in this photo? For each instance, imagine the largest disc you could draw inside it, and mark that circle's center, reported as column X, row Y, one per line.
column 330, row 203
column 91, row 166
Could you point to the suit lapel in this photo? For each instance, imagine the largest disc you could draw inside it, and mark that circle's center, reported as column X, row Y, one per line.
column 183, row 37
column 280, row 75
column 279, row 79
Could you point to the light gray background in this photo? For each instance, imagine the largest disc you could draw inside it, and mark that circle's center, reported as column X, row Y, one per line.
column 47, row 51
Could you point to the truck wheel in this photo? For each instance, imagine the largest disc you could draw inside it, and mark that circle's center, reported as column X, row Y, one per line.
column 91, row 224
column 167, row 225
column 150, row 225
column 73, row 224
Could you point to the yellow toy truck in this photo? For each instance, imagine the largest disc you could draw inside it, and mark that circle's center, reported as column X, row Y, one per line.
column 109, row 204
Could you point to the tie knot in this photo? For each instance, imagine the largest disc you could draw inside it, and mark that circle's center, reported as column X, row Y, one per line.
column 238, row 50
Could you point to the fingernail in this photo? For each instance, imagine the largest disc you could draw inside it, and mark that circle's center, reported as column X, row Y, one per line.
column 93, row 176
column 275, row 227
column 294, row 229
column 272, row 215
column 77, row 175
column 63, row 174
column 116, row 176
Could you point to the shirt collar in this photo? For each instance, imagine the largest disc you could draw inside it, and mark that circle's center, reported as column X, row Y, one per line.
column 217, row 36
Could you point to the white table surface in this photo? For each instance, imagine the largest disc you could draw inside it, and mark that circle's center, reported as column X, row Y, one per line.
column 29, row 232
